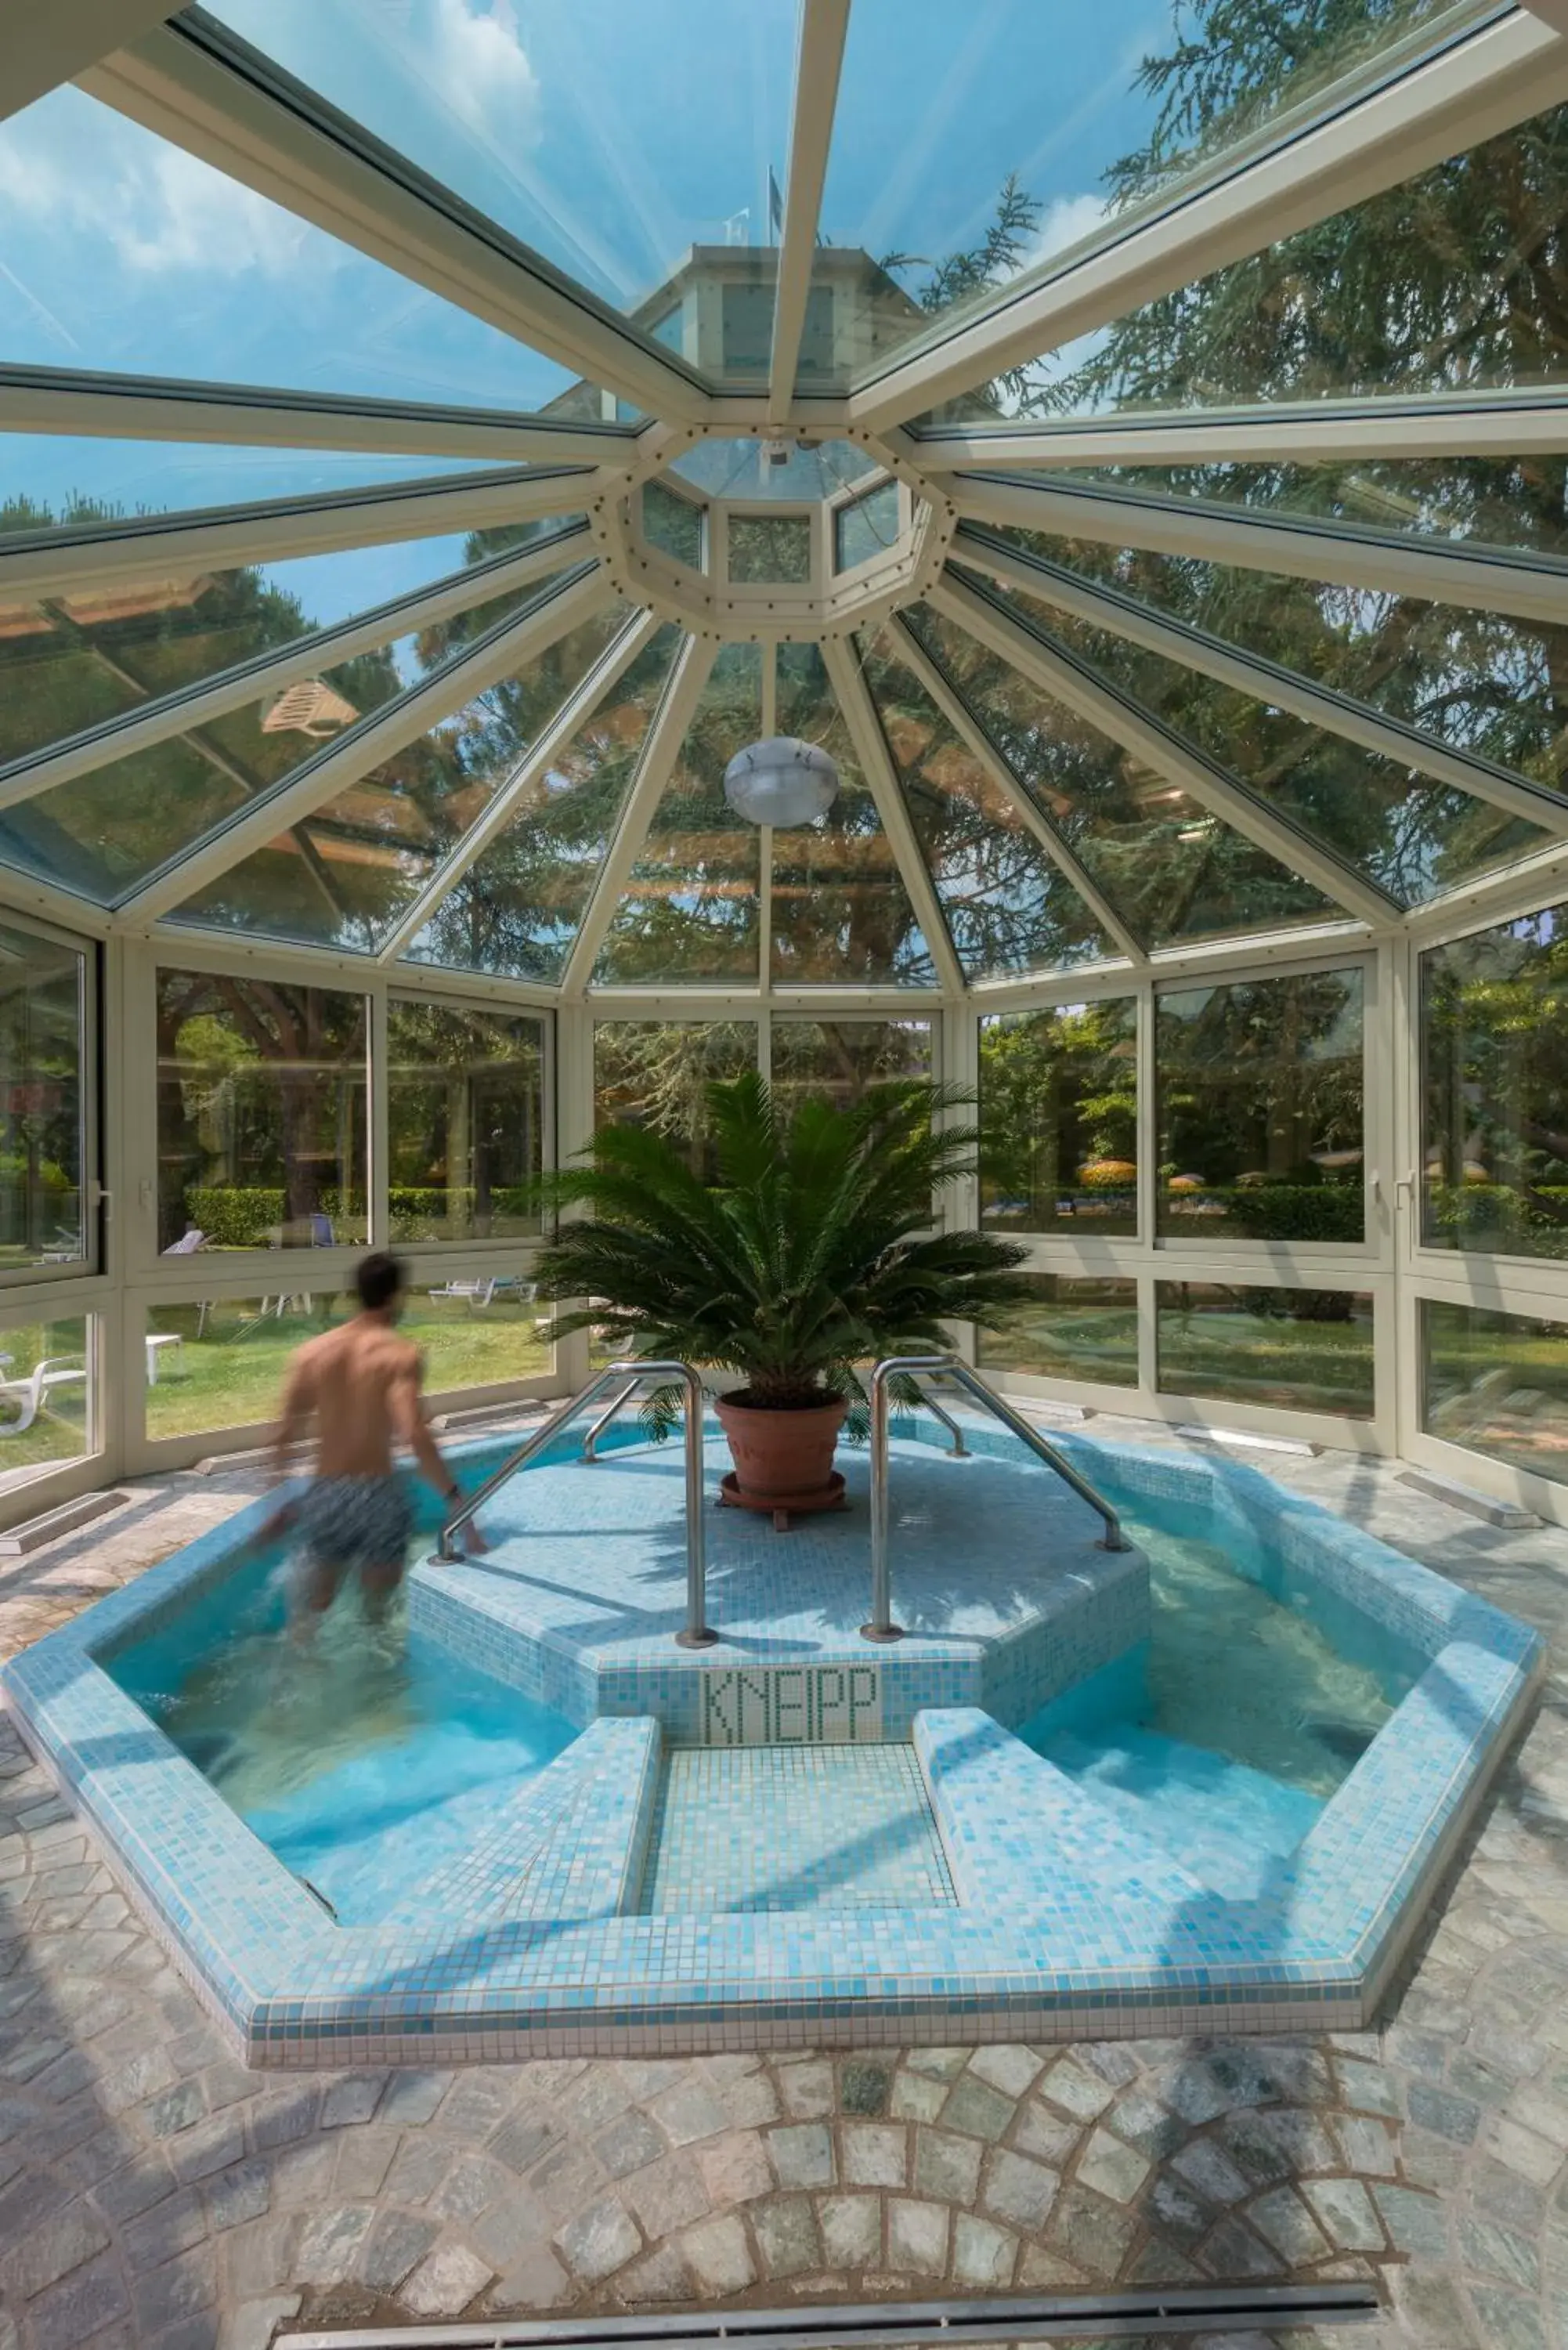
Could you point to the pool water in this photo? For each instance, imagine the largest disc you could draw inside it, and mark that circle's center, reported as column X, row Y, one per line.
column 1250, row 1722
column 366, row 1760
column 370, row 1758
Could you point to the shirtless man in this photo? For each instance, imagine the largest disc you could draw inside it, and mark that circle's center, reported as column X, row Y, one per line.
column 360, row 1383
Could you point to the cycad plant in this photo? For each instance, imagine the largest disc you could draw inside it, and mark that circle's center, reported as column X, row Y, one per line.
column 811, row 1254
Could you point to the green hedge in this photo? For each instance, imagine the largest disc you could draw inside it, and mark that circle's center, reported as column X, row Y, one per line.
column 1274, row 1212
column 242, row 1215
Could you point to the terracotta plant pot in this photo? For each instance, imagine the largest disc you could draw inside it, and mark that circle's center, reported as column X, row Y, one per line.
column 784, row 1460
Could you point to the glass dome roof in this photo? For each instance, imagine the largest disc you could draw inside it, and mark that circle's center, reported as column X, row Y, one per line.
column 433, row 441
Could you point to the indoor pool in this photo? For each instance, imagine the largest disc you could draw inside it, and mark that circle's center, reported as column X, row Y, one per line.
column 1205, row 1779
column 366, row 1759
column 1249, row 1719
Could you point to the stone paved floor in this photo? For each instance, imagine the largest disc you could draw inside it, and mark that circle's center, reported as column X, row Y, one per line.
column 152, row 2192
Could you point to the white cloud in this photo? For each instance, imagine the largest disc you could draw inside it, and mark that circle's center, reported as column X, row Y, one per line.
column 1067, row 220
column 156, row 209
column 182, row 214
column 478, row 66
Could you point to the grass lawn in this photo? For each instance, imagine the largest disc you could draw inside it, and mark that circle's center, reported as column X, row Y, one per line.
column 232, row 1376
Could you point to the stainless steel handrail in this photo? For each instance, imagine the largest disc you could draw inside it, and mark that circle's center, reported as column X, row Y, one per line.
column 697, row 1633
column 605, row 1418
column 881, row 1626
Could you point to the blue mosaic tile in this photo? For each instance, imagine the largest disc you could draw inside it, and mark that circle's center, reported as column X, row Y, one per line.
column 1056, row 1918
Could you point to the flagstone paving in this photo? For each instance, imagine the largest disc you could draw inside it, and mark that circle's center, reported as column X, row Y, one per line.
column 154, row 2191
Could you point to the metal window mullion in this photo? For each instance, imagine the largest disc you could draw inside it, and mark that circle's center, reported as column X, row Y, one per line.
column 390, row 729
column 49, row 45
column 578, row 706
column 1529, row 419
column 1265, row 681
column 1346, row 554
column 1404, row 118
column 252, row 416
column 378, row 1114
column 968, row 725
column 882, row 781
column 198, row 84
column 275, row 530
column 819, row 59
column 1147, row 738
column 655, row 762
column 156, row 720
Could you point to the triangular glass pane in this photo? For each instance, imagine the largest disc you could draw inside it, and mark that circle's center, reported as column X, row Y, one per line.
column 1404, row 831
column 1170, row 869
column 945, row 160
column 1007, row 908
column 68, row 480
column 342, row 877
column 516, row 911
column 126, row 252
column 106, row 832
column 1515, row 501
column 68, row 662
column 594, row 133
column 1431, row 286
column 841, row 914
column 690, row 911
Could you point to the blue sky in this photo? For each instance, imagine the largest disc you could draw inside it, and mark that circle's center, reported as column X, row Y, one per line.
column 610, row 135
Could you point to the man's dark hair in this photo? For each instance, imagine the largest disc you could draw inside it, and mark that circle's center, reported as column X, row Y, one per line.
column 378, row 1278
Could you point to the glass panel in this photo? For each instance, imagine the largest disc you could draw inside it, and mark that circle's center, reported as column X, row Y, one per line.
column 1502, row 501
column 1171, row 870
column 1291, row 1349
column 1497, row 1383
column 656, row 1073
column 260, row 1114
column 674, row 524
column 1475, row 681
column 946, row 167
column 466, row 1117
column 221, row 1364
column 477, row 1334
column 840, row 911
column 1260, row 1104
column 343, row 876
column 836, row 1060
column 77, row 660
column 68, row 479
column 1434, row 286
column 792, row 470
column 516, row 911
column 1007, row 908
column 41, row 1146
column 105, row 832
column 47, row 1414
column 689, row 911
column 1058, row 1114
column 125, row 252
column 868, row 528
column 1071, row 1329
column 611, row 139
column 1494, row 1049
column 1411, row 836
column 770, row 549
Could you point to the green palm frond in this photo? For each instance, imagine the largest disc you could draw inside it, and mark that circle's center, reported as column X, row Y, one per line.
column 812, row 1252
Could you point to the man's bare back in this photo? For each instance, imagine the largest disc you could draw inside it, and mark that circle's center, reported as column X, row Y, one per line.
column 359, row 1385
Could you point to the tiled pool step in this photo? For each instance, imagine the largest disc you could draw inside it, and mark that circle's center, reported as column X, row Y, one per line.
column 795, row 1827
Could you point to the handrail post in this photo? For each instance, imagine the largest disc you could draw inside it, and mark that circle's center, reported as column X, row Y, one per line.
column 605, row 1418
column 699, row 1633
column 881, row 1627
